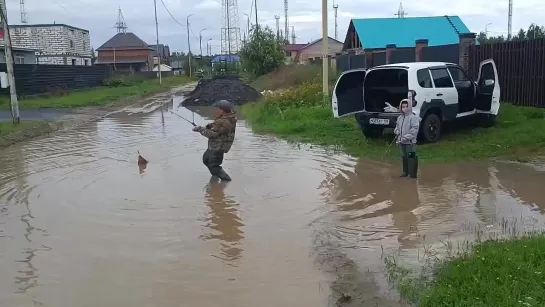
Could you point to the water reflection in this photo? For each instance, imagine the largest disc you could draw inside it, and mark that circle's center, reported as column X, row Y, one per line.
column 223, row 221
column 376, row 205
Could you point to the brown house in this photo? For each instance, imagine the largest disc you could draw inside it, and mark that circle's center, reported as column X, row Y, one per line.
column 125, row 52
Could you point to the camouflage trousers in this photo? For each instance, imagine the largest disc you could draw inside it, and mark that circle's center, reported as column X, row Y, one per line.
column 213, row 160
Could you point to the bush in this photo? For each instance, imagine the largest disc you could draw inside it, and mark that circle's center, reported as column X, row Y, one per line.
column 308, row 94
column 292, row 75
column 119, row 81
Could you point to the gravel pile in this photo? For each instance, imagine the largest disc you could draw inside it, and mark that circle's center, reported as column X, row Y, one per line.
column 231, row 88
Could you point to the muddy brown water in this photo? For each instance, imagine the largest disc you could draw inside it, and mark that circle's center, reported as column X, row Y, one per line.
column 82, row 225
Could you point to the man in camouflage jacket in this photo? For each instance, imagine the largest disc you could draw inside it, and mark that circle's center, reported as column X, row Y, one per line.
column 220, row 134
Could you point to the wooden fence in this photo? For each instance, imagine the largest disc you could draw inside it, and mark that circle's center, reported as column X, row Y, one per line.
column 521, row 69
column 520, row 64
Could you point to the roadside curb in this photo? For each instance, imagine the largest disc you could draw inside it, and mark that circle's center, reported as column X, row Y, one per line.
column 51, row 127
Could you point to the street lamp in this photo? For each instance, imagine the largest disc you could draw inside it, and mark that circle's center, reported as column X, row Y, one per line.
column 188, row 43
column 208, row 51
column 200, row 39
column 247, row 24
column 486, row 29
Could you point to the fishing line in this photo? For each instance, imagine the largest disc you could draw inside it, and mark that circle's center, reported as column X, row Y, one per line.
column 388, row 149
column 187, row 120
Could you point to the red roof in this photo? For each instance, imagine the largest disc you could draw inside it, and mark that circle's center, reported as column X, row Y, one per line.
column 293, row 47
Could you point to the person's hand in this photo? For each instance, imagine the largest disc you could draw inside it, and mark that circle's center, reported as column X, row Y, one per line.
column 196, row 128
column 209, row 126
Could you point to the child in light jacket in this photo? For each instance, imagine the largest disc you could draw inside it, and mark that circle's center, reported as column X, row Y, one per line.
column 406, row 131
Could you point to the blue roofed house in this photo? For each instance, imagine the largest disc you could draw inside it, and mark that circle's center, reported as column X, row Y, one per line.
column 376, row 34
column 221, row 59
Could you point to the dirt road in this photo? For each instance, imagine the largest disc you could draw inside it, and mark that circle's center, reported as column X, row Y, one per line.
column 82, row 225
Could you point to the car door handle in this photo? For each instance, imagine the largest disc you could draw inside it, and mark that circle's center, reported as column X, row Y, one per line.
column 440, row 94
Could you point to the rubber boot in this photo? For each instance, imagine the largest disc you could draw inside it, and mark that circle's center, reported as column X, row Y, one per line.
column 405, row 167
column 413, row 167
column 223, row 176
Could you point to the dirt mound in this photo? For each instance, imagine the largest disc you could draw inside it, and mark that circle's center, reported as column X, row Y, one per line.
column 231, row 88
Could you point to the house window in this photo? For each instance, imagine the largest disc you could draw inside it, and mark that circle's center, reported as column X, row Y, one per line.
column 86, row 62
column 71, row 32
column 73, row 61
column 19, row 59
column 71, row 44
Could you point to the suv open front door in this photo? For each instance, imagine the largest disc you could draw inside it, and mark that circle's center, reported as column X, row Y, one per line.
column 488, row 88
column 347, row 98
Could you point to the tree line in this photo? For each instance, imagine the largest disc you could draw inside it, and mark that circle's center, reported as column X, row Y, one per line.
column 533, row 32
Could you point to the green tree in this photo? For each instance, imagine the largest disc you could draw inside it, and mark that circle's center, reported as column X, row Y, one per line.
column 263, row 52
column 534, row 32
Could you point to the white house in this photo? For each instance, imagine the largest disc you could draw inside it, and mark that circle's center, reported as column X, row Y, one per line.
column 164, row 67
column 58, row 44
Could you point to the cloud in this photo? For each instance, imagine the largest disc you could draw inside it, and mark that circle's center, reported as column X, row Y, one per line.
column 100, row 16
column 208, row 4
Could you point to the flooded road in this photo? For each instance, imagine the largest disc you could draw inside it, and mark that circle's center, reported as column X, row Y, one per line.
column 82, row 225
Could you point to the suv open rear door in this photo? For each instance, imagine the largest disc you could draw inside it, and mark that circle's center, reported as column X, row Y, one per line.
column 488, row 88
column 347, row 98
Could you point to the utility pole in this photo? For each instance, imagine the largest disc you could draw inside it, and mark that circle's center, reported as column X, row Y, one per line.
column 277, row 26
column 228, row 33
column 486, row 29
column 200, row 39
column 208, row 47
column 335, row 8
column 157, row 34
column 325, row 48
column 247, row 24
column 256, row 23
column 14, row 103
column 188, row 43
column 510, row 20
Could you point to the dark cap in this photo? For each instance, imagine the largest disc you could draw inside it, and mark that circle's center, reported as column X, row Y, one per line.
column 224, row 105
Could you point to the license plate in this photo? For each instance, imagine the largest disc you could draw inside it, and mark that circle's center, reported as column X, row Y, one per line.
column 379, row 121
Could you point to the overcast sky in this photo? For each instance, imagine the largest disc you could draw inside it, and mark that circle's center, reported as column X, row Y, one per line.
column 99, row 16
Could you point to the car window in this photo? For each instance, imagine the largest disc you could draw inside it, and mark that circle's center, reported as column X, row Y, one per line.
column 487, row 72
column 441, row 78
column 458, row 75
column 424, row 79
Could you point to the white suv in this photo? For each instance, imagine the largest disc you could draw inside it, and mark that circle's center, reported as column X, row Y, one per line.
column 442, row 92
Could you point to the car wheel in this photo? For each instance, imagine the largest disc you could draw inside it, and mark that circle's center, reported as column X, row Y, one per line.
column 430, row 130
column 487, row 120
column 372, row 132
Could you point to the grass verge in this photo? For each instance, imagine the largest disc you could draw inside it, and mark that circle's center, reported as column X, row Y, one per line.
column 101, row 96
column 495, row 272
column 299, row 114
column 7, row 128
column 291, row 75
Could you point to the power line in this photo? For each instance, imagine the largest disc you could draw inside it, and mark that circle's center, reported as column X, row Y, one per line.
column 168, row 11
column 195, row 36
column 62, row 6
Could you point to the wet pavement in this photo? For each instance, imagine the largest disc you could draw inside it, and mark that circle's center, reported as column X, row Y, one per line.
column 82, row 225
column 37, row 114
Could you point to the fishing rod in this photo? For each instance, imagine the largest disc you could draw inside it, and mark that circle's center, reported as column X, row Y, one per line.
column 187, row 120
column 388, row 149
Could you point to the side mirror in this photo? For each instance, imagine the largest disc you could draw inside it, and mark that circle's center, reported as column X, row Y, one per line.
column 488, row 82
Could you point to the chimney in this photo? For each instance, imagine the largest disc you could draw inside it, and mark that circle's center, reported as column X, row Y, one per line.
column 389, row 50
column 420, row 44
column 466, row 41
